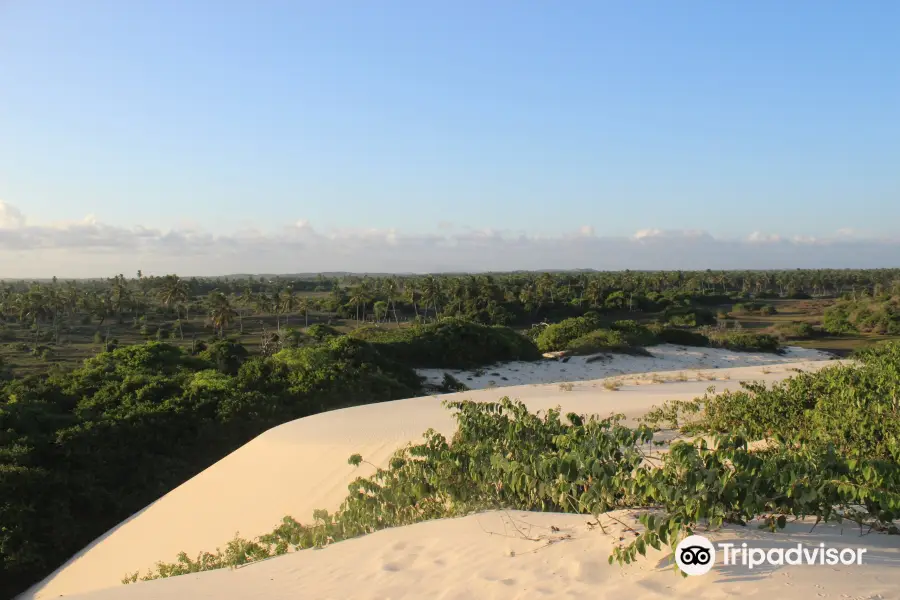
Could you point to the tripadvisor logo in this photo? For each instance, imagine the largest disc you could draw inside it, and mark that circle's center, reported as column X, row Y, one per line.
column 696, row 555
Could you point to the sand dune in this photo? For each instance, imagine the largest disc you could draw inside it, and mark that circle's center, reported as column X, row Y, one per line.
column 486, row 556
column 302, row 465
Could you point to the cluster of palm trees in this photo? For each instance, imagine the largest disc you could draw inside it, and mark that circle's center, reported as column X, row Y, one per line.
column 398, row 298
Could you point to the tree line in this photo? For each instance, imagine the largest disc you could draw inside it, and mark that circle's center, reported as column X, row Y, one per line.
column 499, row 299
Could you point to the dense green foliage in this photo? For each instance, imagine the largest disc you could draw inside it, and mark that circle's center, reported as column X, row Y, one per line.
column 558, row 336
column 853, row 408
column 626, row 337
column 680, row 337
column 832, row 452
column 81, row 451
column 450, row 343
column 743, row 341
column 689, row 316
column 866, row 315
column 603, row 340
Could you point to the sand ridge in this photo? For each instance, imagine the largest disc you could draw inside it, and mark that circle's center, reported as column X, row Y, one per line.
column 501, row 555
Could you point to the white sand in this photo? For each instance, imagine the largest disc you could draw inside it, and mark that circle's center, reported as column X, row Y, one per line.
column 302, row 465
column 485, row 556
column 666, row 357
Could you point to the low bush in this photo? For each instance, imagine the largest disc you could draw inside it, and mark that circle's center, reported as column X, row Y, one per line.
column 681, row 337
column 321, row 332
column 635, row 333
column 794, row 330
column 687, row 316
column 753, row 308
column 559, row 335
column 864, row 316
column 743, row 341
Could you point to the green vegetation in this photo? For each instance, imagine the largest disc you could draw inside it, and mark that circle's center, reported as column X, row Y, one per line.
column 95, row 422
column 80, row 451
column 450, row 343
column 743, row 341
column 757, row 308
column 604, row 340
column 689, row 316
column 795, row 330
column 64, row 322
column 832, row 452
column 625, row 337
column 865, row 315
column 680, row 337
column 559, row 335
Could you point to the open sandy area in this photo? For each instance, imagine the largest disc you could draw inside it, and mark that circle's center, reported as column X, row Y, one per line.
column 666, row 357
column 302, row 465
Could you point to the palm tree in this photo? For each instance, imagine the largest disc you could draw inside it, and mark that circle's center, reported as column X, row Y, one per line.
column 304, row 305
column 431, row 292
column 359, row 295
column 411, row 293
column 390, row 288
column 221, row 313
column 287, row 302
column 174, row 292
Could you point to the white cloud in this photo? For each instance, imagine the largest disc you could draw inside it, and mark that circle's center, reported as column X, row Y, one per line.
column 90, row 248
column 10, row 216
column 647, row 233
column 759, row 237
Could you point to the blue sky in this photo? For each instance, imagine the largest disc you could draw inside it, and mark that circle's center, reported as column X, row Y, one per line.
column 435, row 117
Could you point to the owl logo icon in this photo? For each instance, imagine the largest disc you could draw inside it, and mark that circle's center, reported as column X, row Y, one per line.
column 695, row 555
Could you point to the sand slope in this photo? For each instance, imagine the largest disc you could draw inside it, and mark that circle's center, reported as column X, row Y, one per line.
column 302, row 465
column 486, row 556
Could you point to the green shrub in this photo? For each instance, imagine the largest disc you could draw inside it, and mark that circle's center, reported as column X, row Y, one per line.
column 687, row 316
column 744, row 341
column 605, row 340
column 794, row 330
column 226, row 355
column 850, row 407
column 867, row 315
column 559, row 335
column 635, row 333
column 450, row 343
column 680, row 337
column 452, row 384
column 836, row 320
column 757, row 308
column 321, row 332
